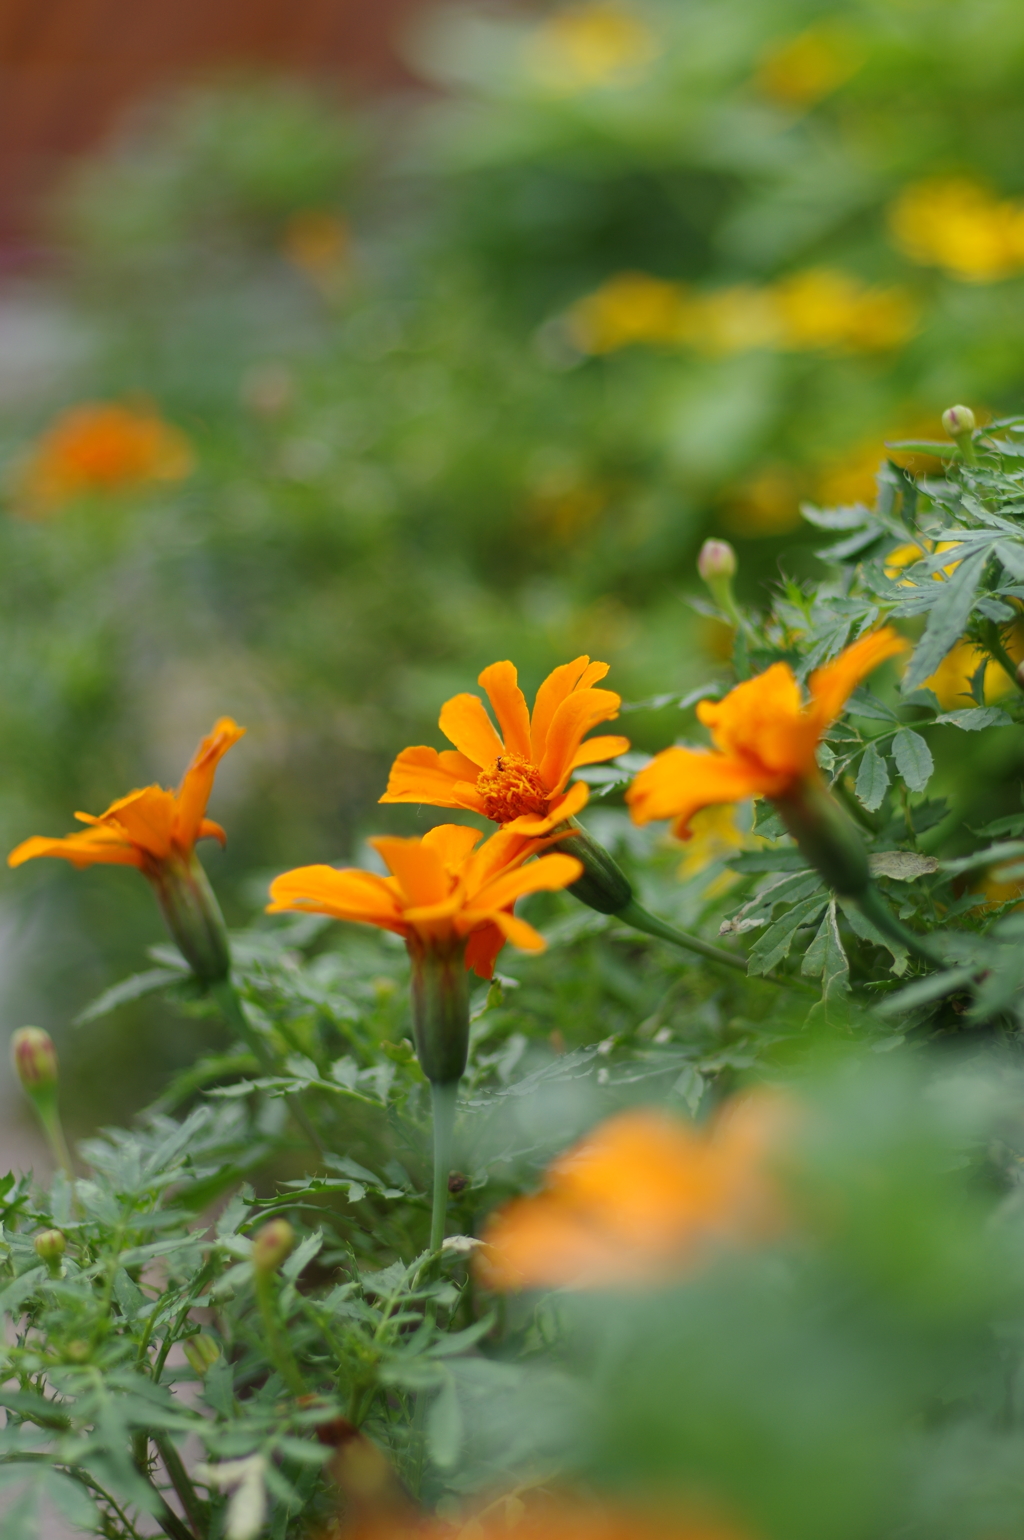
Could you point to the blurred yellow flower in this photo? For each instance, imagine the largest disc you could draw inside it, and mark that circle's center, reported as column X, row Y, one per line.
column 906, row 555
column 951, row 681
column 767, row 503
column 850, row 476
column 955, row 223
column 590, row 45
column 715, row 836
column 820, row 308
column 642, row 1199
column 799, row 71
column 100, row 446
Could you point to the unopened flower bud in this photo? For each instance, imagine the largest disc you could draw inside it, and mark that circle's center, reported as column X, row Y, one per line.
column 717, row 559
column 603, row 886
column 35, row 1060
column 202, row 1352
column 50, row 1246
column 717, row 566
column 959, row 423
column 272, row 1245
column 957, row 420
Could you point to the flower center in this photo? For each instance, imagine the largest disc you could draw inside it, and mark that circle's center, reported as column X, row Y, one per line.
column 510, row 788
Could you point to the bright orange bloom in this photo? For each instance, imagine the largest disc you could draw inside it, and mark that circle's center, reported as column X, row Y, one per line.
column 442, row 891
column 148, row 828
column 765, row 737
column 100, row 447
column 546, row 1519
column 642, row 1199
column 519, row 779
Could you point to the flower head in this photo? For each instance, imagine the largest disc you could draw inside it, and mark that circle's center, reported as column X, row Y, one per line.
column 102, row 446
column 520, row 778
column 641, row 1199
column 155, row 831
column 765, row 738
column 442, row 891
column 148, row 828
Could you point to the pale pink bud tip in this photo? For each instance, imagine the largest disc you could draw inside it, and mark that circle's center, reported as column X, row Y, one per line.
column 957, row 420
column 272, row 1245
column 34, row 1058
column 717, row 559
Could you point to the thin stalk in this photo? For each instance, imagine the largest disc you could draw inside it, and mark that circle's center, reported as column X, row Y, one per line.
column 640, row 919
column 53, row 1128
column 181, row 1482
column 442, row 1095
column 226, row 996
column 874, row 908
column 277, row 1345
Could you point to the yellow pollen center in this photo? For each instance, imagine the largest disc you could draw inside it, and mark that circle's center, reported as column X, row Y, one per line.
column 510, row 788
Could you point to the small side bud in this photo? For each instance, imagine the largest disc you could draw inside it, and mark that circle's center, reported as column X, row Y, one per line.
column 272, row 1245
column 50, row 1246
column 717, row 559
column 202, row 1352
column 35, row 1060
column 960, row 424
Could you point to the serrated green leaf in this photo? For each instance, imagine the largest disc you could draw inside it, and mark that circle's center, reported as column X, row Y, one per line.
column 777, row 940
column 947, row 620
column 132, row 988
column 872, row 779
column 973, row 718
column 913, row 758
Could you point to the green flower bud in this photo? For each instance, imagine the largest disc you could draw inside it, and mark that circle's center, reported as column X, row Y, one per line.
column 957, row 420
column 50, row 1246
column 35, row 1060
column 202, row 1353
column 272, row 1245
column 717, row 559
column 440, row 1009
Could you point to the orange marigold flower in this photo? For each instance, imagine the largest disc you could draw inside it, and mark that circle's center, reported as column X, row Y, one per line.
column 101, row 447
column 441, row 891
column 765, row 738
column 643, row 1198
column 519, row 779
column 156, row 830
column 548, row 1518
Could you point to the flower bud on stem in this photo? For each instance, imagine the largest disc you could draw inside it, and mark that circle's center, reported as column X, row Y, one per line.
column 272, row 1245
column 959, row 423
column 35, row 1063
column 49, row 1248
column 717, row 565
column 440, row 1025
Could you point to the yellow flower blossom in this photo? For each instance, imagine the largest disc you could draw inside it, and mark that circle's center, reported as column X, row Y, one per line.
column 714, row 836
column 818, row 309
column 951, row 681
column 799, row 71
column 590, row 45
column 957, row 224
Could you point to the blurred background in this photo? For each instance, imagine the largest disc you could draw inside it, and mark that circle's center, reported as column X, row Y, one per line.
column 345, row 349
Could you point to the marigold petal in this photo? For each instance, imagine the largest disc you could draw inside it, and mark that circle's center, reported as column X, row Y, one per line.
column 208, row 830
column 678, row 782
column 547, row 875
column 482, row 948
column 464, row 722
column 559, row 809
column 349, row 894
column 452, row 841
column 831, row 685
column 519, row 932
column 594, row 750
column 89, row 848
column 501, row 681
column 418, row 867
column 197, row 782
column 147, row 817
column 559, row 684
column 421, row 774
column 573, row 719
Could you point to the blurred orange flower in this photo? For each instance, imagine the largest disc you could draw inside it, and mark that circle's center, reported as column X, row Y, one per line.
column 642, row 1199
column 545, row 1519
column 518, row 780
column 150, row 828
column 765, row 737
column 441, row 891
column 102, row 447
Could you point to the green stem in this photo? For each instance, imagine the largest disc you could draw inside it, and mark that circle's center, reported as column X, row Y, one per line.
column 181, row 1482
column 226, row 996
column 640, row 919
column 442, row 1095
column 874, row 908
column 278, row 1348
column 53, row 1128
